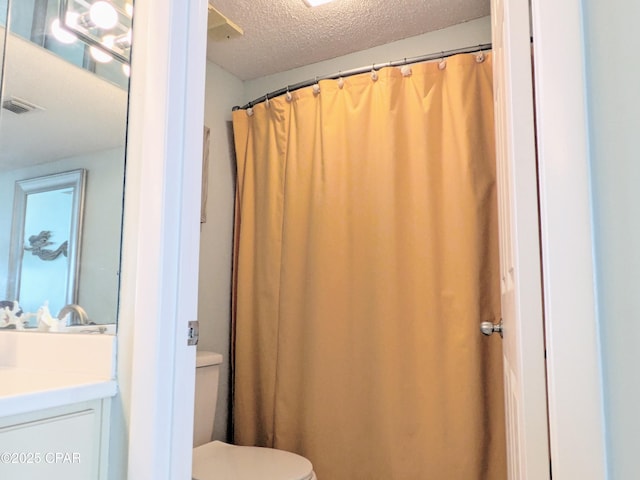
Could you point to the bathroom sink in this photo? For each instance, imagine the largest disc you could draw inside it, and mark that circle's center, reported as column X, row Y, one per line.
column 109, row 329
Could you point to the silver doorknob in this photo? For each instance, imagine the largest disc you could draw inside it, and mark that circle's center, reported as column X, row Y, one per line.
column 488, row 328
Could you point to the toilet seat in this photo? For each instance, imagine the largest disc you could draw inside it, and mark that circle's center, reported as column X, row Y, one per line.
column 221, row 461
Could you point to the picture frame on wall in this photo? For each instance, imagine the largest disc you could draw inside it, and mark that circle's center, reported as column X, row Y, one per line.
column 205, row 174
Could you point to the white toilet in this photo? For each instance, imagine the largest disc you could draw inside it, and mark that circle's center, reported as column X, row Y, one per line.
column 221, row 461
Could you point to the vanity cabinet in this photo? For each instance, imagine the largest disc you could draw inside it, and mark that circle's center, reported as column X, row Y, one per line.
column 63, row 443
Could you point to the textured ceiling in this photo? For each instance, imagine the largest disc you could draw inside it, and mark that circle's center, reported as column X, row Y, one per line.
column 283, row 34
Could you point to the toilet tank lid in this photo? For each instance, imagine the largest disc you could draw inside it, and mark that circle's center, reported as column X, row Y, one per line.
column 206, row 359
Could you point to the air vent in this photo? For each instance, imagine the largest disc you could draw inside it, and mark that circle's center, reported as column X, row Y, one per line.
column 19, row 106
column 220, row 27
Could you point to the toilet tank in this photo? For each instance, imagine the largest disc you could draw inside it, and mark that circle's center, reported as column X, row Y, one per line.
column 206, row 395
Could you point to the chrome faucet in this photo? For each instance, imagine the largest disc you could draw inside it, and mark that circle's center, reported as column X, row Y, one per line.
column 80, row 317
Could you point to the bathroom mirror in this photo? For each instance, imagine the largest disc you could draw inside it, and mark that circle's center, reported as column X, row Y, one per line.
column 62, row 142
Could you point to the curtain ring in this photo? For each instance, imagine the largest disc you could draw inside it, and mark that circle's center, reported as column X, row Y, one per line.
column 316, row 86
column 374, row 74
column 340, row 81
column 406, row 71
column 266, row 101
column 288, row 95
column 480, row 57
column 250, row 112
column 442, row 64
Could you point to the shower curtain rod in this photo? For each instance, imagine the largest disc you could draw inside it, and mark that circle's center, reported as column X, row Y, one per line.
column 356, row 71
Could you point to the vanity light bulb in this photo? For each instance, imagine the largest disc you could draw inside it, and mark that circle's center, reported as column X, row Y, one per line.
column 100, row 56
column 60, row 34
column 108, row 41
column 103, row 15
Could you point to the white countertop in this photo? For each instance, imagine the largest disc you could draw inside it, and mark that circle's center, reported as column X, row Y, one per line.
column 25, row 390
column 46, row 370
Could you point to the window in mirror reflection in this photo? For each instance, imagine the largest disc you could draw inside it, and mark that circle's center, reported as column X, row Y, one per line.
column 44, row 270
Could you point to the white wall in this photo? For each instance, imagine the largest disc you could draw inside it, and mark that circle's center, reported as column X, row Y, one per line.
column 100, row 250
column 223, row 92
column 613, row 77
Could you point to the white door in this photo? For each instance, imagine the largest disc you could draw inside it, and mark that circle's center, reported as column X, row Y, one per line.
column 521, row 288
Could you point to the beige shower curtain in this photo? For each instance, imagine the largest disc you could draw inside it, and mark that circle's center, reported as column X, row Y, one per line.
column 366, row 258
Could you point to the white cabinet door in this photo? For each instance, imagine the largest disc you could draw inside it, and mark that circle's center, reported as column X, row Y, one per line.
column 523, row 328
column 57, row 444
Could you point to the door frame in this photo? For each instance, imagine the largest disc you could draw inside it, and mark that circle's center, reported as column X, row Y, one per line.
column 159, row 284
column 154, row 364
column 574, row 378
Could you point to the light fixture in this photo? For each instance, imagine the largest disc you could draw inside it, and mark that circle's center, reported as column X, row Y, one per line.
column 104, row 25
column 98, row 54
column 315, row 3
column 128, row 7
column 63, row 35
column 103, row 15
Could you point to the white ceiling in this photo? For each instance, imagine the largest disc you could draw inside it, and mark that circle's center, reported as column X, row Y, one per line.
column 81, row 112
column 283, row 34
